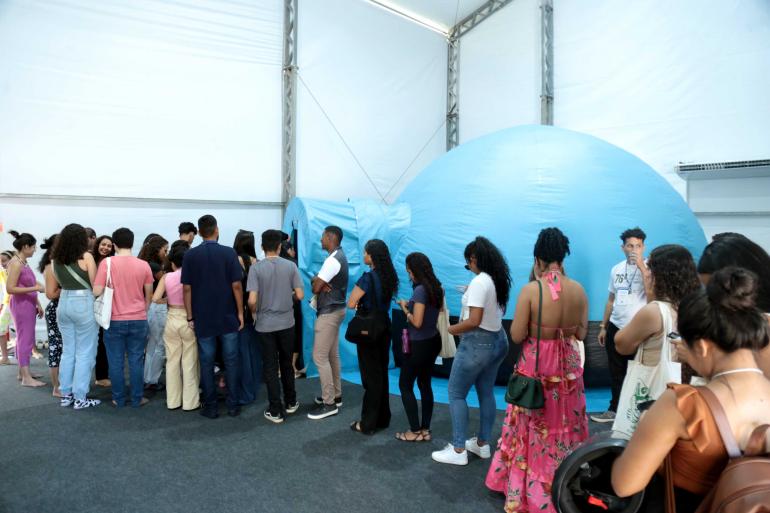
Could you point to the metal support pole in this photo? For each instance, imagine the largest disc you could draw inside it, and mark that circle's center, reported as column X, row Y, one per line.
column 546, row 62
column 289, row 137
column 453, row 66
column 452, row 93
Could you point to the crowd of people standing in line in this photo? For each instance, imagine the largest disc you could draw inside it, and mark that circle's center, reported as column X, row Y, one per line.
column 180, row 304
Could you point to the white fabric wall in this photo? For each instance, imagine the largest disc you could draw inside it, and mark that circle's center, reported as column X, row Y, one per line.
column 671, row 82
column 500, row 71
column 382, row 82
column 733, row 205
column 143, row 98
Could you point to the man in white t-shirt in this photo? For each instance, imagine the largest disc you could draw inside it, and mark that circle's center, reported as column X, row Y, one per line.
column 330, row 286
column 627, row 288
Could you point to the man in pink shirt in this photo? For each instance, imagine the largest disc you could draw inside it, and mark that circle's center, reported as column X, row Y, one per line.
column 131, row 280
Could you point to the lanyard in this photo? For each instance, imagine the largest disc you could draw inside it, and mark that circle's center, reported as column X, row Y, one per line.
column 630, row 283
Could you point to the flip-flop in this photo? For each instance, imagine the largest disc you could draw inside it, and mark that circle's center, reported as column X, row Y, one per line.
column 418, row 437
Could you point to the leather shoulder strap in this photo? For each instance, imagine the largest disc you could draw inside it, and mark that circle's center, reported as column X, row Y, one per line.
column 539, row 319
column 721, row 419
column 758, row 441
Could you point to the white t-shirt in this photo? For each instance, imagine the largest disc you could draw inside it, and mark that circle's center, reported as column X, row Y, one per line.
column 627, row 283
column 330, row 268
column 481, row 293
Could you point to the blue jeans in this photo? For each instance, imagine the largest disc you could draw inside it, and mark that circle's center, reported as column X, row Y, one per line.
column 251, row 365
column 478, row 357
column 155, row 356
column 79, row 331
column 126, row 337
column 207, row 351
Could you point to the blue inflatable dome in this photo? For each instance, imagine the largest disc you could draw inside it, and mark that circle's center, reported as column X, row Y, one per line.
column 509, row 185
column 506, row 186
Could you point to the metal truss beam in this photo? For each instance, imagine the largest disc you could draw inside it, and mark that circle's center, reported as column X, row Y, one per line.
column 289, row 137
column 476, row 17
column 452, row 94
column 546, row 62
column 453, row 66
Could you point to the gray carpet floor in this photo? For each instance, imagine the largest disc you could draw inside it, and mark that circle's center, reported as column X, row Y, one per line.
column 153, row 460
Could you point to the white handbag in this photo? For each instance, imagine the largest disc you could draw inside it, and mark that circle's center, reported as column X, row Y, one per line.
column 645, row 383
column 103, row 303
column 448, row 347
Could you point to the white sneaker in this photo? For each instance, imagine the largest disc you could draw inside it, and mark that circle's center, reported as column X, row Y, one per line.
column 450, row 456
column 86, row 403
column 473, row 446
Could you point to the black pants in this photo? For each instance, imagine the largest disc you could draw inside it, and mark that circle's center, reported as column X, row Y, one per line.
column 277, row 348
column 618, row 364
column 418, row 366
column 298, row 346
column 373, row 360
column 102, row 369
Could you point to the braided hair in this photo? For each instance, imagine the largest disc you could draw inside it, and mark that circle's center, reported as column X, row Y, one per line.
column 552, row 246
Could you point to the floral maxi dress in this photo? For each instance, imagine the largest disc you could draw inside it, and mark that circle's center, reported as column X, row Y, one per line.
column 534, row 442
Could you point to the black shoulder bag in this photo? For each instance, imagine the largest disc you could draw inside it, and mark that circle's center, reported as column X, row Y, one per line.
column 525, row 391
column 366, row 326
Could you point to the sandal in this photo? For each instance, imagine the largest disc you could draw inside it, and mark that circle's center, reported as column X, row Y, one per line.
column 356, row 426
column 404, row 437
column 426, row 435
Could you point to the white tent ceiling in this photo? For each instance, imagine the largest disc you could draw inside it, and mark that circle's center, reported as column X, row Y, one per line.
column 440, row 13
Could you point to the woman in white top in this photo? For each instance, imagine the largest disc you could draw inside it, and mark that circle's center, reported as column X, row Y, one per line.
column 673, row 275
column 483, row 346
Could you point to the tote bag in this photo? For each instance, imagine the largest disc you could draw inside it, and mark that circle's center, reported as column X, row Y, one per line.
column 645, row 382
column 448, row 346
column 103, row 303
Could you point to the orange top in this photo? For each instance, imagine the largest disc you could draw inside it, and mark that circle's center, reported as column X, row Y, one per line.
column 698, row 462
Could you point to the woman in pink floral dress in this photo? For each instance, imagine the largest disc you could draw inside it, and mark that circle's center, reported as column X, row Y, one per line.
column 534, row 442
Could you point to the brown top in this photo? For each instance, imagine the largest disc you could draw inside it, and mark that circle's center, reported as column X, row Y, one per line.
column 698, row 462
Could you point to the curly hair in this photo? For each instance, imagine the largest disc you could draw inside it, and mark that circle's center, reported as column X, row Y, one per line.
column 725, row 312
column 636, row 233
column 490, row 260
column 551, row 246
column 673, row 272
column 383, row 266
column 95, row 251
column 70, row 245
column 734, row 249
column 150, row 252
column 48, row 245
column 422, row 270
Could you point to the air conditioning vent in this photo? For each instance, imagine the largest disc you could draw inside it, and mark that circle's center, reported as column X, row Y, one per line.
column 715, row 170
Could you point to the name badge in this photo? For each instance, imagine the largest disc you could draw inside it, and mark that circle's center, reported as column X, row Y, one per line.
column 623, row 297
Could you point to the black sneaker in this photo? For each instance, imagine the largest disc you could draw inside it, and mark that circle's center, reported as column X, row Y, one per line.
column 273, row 418
column 337, row 401
column 321, row 411
column 291, row 408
